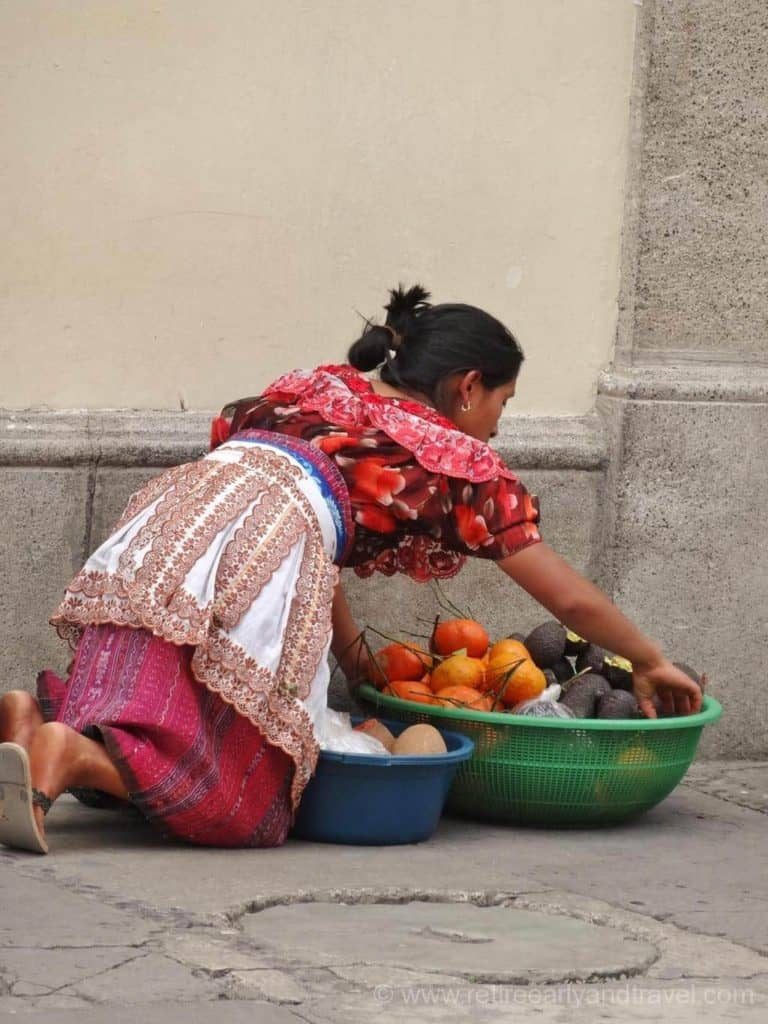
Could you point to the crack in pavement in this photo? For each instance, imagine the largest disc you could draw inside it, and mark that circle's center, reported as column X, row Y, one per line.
column 71, row 984
column 706, row 791
column 520, row 980
column 90, row 945
column 388, row 895
column 175, row 915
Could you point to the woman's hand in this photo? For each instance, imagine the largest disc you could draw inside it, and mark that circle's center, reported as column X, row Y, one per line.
column 587, row 611
column 678, row 694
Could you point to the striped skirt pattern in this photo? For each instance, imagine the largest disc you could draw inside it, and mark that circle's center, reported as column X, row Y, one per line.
column 192, row 765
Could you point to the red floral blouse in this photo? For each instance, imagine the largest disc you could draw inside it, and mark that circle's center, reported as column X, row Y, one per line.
column 424, row 495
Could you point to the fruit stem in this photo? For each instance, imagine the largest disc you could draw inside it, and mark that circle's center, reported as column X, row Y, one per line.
column 446, row 603
column 505, row 679
column 419, row 636
column 360, row 641
column 569, row 682
column 372, row 655
column 393, row 639
column 434, row 630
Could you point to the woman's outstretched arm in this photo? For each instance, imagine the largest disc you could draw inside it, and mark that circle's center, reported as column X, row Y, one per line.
column 585, row 609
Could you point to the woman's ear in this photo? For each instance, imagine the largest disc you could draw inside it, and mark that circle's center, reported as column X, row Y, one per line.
column 467, row 384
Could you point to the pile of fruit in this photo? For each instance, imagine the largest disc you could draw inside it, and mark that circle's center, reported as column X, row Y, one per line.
column 462, row 669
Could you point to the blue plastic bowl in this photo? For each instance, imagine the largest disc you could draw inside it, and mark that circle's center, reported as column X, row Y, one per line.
column 365, row 800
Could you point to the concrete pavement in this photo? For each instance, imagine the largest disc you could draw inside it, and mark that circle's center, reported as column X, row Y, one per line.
column 664, row 918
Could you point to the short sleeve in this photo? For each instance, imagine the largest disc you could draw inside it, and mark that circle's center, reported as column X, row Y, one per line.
column 488, row 520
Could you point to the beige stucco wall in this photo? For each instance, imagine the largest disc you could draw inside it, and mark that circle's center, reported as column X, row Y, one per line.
column 198, row 195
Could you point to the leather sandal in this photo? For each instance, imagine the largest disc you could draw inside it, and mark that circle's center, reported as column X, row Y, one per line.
column 18, row 827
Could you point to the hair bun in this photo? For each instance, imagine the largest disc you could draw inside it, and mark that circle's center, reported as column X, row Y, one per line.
column 370, row 350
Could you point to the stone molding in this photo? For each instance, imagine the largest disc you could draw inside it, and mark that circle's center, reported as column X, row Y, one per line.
column 553, row 442
column 156, row 438
column 692, row 382
column 107, row 437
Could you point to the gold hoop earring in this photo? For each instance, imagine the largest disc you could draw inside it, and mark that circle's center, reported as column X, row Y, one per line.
column 466, row 407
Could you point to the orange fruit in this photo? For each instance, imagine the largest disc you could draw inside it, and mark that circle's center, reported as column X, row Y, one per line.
column 513, row 649
column 458, row 670
column 410, row 689
column 399, row 661
column 460, row 634
column 501, row 662
column 524, row 683
column 463, row 696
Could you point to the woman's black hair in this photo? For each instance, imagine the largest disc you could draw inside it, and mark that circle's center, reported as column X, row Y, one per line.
column 420, row 345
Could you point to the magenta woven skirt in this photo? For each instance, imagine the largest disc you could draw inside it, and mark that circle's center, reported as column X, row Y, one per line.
column 192, row 765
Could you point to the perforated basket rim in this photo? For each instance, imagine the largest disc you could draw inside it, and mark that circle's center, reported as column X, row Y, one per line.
column 711, row 710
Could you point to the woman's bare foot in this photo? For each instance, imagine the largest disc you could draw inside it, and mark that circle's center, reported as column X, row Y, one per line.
column 60, row 757
column 20, row 718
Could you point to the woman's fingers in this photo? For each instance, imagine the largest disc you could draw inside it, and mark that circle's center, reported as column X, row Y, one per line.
column 667, row 702
column 677, row 694
column 682, row 704
column 646, row 706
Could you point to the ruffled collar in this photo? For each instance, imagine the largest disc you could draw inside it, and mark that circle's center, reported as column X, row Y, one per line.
column 344, row 397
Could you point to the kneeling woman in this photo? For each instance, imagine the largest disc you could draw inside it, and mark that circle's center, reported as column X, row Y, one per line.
column 201, row 628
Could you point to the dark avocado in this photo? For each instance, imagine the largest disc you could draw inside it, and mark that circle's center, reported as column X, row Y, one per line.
column 582, row 695
column 563, row 670
column 546, row 644
column 591, row 657
column 574, row 643
column 617, row 704
column 618, row 672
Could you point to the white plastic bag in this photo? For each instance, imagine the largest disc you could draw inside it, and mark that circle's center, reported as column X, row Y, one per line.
column 334, row 731
column 545, row 705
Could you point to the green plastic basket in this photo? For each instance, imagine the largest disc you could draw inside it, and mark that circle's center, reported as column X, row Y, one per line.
column 560, row 772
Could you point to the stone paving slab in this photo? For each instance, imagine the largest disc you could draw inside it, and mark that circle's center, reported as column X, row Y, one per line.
column 117, row 916
column 52, row 917
column 40, row 971
column 150, row 978
column 493, row 944
column 740, row 782
column 634, row 1000
column 668, row 863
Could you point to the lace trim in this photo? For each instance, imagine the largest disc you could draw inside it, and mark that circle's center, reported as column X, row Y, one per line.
column 147, row 591
column 258, row 547
column 323, row 465
column 181, row 477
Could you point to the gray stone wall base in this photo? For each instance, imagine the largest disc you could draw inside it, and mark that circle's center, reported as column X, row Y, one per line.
column 43, row 545
column 687, row 492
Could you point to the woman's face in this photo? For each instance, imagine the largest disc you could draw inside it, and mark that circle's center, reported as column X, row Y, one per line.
column 485, row 406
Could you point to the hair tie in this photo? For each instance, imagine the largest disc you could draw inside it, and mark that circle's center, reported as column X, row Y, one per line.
column 397, row 339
